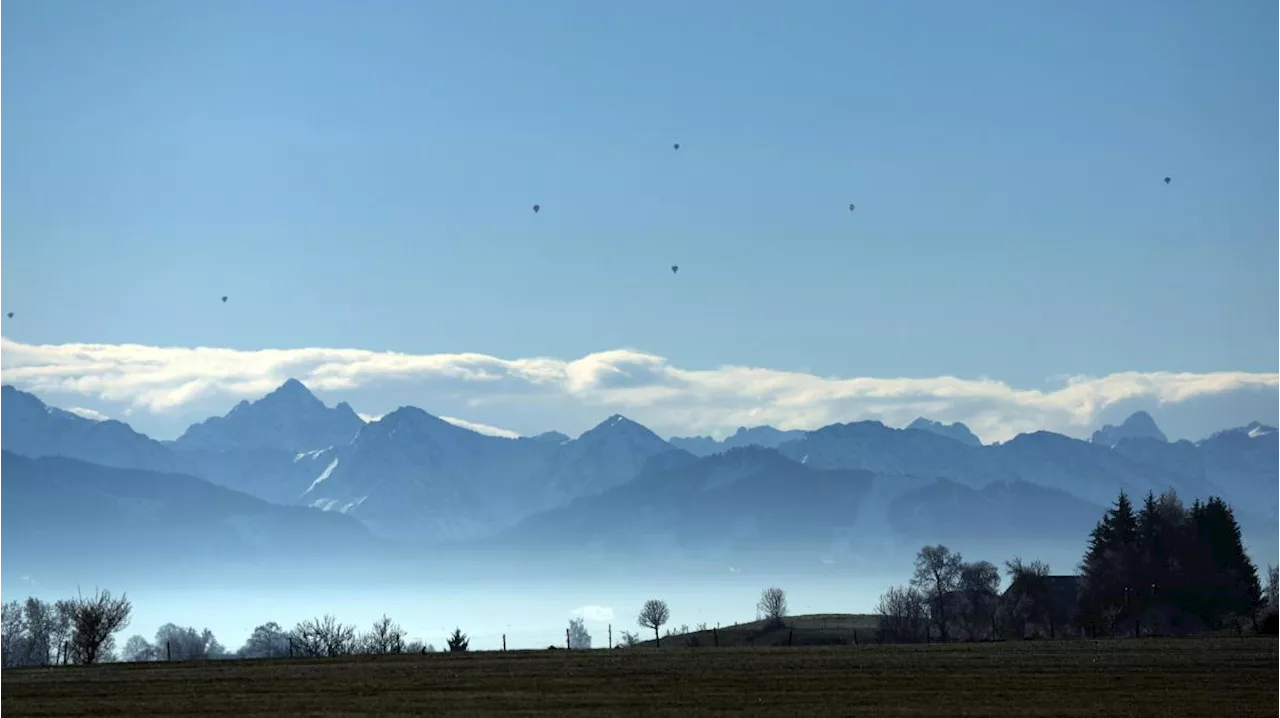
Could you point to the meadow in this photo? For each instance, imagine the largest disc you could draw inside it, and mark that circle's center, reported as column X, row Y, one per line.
column 1234, row 676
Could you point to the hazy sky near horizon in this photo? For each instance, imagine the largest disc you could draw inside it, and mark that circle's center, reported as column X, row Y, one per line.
column 358, row 179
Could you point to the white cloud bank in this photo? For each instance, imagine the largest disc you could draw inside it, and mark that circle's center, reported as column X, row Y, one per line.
column 646, row 387
column 88, row 413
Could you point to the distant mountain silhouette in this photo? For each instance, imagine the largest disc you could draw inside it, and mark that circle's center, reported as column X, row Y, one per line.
column 412, row 474
column 1139, row 425
column 62, row 513
column 763, row 436
column 290, row 418
column 416, row 477
column 30, row 427
column 957, row 431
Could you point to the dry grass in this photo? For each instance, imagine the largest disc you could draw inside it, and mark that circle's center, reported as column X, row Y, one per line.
column 815, row 629
column 1156, row 677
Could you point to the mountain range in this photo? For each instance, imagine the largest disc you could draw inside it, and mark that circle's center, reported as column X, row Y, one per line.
column 414, row 478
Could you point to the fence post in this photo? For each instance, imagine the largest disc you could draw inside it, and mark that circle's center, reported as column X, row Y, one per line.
column 567, row 644
column 504, row 641
column 291, row 646
column 168, row 652
column 790, row 633
column 715, row 636
column 855, row 636
column 611, row 635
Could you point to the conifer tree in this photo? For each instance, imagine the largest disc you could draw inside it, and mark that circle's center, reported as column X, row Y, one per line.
column 1108, row 567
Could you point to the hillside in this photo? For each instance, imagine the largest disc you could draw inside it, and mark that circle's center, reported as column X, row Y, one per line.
column 64, row 515
column 817, row 629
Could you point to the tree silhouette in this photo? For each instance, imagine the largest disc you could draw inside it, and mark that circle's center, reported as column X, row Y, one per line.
column 654, row 613
column 458, row 641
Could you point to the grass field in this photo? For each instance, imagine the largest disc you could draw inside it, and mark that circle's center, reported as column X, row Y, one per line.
column 815, row 629
column 1155, row 677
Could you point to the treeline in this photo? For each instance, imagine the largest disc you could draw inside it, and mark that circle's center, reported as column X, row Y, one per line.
column 1167, row 563
column 73, row 630
column 84, row 631
column 313, row 638
column 1165, row 569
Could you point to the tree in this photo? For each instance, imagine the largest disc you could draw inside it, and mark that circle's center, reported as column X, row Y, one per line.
column 12, row 630
column 416, row 646
column 138, row 649
column 94, row 621
column 937, row 577
column 177, row 643
column 653, row 615
column 578, row 636
column 386, row 636
column 1273, row 588
column 772, row 605
column 324, row 637
column 979, row 595
column 1029, row 600
column 902, row 615
column 627, row 639
column 458, row 641
column 1229, row 587
column 266, row 641
column 1108, row 570
column 46, row 631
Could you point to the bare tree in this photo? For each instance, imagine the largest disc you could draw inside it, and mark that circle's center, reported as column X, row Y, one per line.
column 324, row 637
column 653, row 615
column 937, row 576
column 180, row 643
column 627, row 639
column 578, row 636
column 44, row 632
column 94, row 621
column 902, row 615
column 12, row 634
column 772, row 605
column 458, row 641
column 979, row 594
column 138, row 649
column 386, row 637
column 266, row 641
column 1273, row 588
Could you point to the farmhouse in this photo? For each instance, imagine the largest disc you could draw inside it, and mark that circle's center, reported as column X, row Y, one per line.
column 1047, row 606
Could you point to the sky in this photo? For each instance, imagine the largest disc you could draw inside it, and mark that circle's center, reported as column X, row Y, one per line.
column 357, row 179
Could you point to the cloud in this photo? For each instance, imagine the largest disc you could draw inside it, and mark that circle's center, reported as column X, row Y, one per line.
column 646, row 387
column 482, row 428
column 88, row 413
column 593, row 613
column 472, row 425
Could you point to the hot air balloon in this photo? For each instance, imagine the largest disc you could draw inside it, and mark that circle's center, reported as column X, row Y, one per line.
column 674, row 269
column 1167, row 180
column 676, row 145
column 537, row 208
column 224, row 300
column 851, row 208
column 11, row 315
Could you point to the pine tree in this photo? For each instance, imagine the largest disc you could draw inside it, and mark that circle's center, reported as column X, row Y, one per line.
column 458, row 641
column 1229, row 580
column 1108, row 567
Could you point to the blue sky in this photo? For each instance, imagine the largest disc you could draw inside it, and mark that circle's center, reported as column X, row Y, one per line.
column 360, row 175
